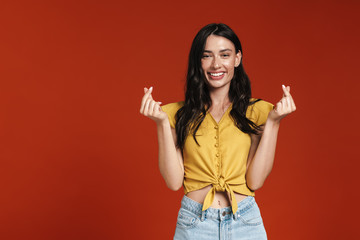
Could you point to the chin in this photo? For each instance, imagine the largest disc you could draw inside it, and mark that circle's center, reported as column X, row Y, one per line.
column 217, row 84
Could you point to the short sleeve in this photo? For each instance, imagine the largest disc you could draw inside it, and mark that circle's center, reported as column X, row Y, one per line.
column 171, row 109
column 262, row 109
column 259, row 111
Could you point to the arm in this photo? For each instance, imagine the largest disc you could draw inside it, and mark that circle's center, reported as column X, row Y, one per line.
column 262, row 150
column 260, row 163
column 170, row 159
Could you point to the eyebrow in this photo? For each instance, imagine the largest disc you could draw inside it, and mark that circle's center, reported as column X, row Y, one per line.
column 224, row 50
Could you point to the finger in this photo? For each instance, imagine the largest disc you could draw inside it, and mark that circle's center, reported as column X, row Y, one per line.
column 145, row 90
column 278, row 107
column 150, row 96
column 145, row 97
column 289, row 104
column 143, row 101
column 292, row 103
column 146, row 107
column 286, row 93
column 156, row 108
column 159, row 107
column 151, row 90
column 293, row 107
column 284, row 103
column 283, row 88
column 289, row 96
column 151, row 107
column 288, row 90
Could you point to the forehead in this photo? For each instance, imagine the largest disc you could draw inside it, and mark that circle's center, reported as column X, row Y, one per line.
column 216, row 43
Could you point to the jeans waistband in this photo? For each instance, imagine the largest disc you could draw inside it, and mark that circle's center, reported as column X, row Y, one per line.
column 217, row 213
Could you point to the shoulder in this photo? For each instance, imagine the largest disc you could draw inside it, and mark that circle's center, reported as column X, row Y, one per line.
column 259, row 111
column 261, row 104
column 171, row 109
column 172, row 106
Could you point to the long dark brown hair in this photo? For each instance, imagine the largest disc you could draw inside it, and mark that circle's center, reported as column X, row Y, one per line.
column 191, row 115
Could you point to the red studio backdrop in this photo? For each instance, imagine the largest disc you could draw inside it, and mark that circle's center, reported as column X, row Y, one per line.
column 78, row 160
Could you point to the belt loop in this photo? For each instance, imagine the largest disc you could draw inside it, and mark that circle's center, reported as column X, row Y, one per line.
column 236, row 215
column 203, row 215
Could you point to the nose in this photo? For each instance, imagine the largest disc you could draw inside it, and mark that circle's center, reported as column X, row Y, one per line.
column 216, row 62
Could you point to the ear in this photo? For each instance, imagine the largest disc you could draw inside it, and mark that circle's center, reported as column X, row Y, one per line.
column 238, row 59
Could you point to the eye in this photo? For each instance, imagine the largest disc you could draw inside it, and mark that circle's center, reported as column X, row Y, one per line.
column 205, row 56
column 225, row 55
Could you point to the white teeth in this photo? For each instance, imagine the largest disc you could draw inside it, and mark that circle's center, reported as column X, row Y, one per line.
column 216, row 74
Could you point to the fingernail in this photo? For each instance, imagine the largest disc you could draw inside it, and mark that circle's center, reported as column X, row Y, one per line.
column 160, row 102
column 150, row 89
column 283, row 86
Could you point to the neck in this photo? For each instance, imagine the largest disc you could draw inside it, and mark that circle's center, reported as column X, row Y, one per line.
column 220, row 97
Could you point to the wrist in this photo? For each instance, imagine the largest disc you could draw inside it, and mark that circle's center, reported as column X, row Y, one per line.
column 272, row 123
column 163, row 123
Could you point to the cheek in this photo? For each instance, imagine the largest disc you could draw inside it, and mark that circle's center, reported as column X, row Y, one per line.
column 205, row 66
column 230, row 64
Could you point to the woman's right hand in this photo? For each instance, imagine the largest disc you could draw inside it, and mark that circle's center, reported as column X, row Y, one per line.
column 150, row 108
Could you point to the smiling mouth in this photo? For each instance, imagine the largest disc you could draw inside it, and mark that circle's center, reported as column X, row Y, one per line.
column 217, row 74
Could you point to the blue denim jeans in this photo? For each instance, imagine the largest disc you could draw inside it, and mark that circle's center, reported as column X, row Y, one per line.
column 219, row 223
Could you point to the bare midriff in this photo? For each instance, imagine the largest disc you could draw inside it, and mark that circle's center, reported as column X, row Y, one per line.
column 221, row 199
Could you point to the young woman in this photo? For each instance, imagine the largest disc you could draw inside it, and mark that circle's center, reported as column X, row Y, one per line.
column 219, row 143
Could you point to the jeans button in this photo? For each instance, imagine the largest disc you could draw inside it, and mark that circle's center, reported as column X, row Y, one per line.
column 224, row 213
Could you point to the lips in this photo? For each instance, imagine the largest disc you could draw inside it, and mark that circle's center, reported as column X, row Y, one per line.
column 216, row 75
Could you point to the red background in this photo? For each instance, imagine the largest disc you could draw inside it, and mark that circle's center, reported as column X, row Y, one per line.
column 78, row 161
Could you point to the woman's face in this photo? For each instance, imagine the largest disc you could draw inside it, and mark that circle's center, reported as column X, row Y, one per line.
column 218, row 61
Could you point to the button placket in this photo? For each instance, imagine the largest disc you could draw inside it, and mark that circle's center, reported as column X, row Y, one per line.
column 216, row 145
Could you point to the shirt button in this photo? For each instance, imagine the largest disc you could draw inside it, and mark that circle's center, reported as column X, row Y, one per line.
column 216, row 127
column 216, row 137
column 217, row 155
column 216, row 145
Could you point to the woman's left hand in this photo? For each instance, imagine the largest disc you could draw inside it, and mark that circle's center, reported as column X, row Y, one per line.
column 284, row 107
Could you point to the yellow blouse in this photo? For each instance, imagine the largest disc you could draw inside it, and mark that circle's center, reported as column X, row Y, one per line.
column 221, row 158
